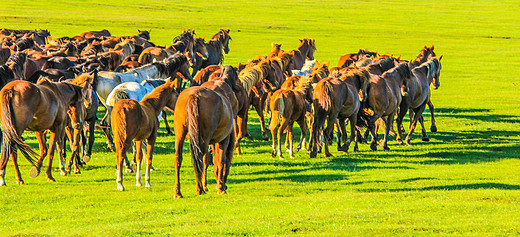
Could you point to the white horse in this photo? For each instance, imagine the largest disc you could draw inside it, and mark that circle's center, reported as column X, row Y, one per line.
column 306, row 68
column 135, row 91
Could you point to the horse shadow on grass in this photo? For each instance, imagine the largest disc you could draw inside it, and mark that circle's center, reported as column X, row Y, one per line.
column 484, row 115
column 474, row 186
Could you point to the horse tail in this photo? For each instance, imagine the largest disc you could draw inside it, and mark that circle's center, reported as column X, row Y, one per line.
column 119, row 123
column 277, row 110
column 10, row 137
column 144, row 58
column 196, row 142
column 324, row 97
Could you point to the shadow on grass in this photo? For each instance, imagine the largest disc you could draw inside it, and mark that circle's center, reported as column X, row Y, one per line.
column 484, row 115
column 474, row 186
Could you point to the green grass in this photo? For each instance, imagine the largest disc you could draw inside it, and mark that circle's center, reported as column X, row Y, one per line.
column 463, row 182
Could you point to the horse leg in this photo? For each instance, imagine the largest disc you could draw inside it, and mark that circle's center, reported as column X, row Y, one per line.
column 130, row 167
column 328, row 130
column 418, row 114
column 14, row 157
column 105, row 123
column 149, row 157
column 240, row 128
column 303, row 128
column 42, row 143
column 91, row 124
column 342, row 134
column 166, row 125
column 223, row 154
column 290, row 135
column 281, row 129
column 273, row 135
column 353, row 133
column 260, row 112
column 139, row 159
column 433, row 128
column 388, row 124
column 207, row 159
column 8, row 148
column 399, row 122
column 373, row 131
column 179, row 143
column 56, row 138
column 63, row 159
column 425, row 137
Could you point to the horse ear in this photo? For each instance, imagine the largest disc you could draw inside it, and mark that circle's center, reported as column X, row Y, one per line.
column 227, row 30
column 301, row 41
column 432, row 47
column 328, row 63
column 138, row 30
column 398, row 58
column 440, row 58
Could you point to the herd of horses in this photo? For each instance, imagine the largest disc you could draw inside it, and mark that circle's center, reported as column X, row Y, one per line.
column 57, row 84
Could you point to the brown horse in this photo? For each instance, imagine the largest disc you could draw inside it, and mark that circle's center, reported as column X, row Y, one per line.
column 329, row 99
column 304, row 51
column 206, row 117
column 204, row 74
column 201, row 54
column 384, row 98
column 419, row 96
column 152, row 54
column 137, row 121
column 383, row 65
column 287, row 107
column 92, row 34
column 277, row 49
column 37, row 107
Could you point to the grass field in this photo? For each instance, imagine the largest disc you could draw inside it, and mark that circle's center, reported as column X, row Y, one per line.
column 465, row 181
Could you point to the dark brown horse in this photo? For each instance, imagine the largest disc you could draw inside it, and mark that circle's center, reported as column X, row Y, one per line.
column 384, row 98
column 92, row 34
column 201, row 54
column 425, row 54
column 137, row 121
column 206, row 117
column 419, row 96
column 329, row 98
column 217, row 47
column 37, row 107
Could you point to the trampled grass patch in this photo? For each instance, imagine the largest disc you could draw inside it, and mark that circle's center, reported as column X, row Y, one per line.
column 463, row 182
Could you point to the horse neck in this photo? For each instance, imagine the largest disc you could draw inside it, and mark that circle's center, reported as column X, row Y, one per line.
column 304, row 49
column 157, row 100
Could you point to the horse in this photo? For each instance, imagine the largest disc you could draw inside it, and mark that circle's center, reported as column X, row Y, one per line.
column 152, row 54
column 6, row 75
column 109, row 80
column 277, row 49
column 5, row 53
column 135, row 91
column 217, row 46
column 383, row 65
column 77, row 136
column 329, row 97
column 304, row 51
column 206, row 117
column 137, row 121
column 418, row 96
column 145, row 34
column 230, row 75
column 17, row 64
column 37, row 107
column 93, row 34
column 201, row 54
column 287, row 107
column 384, row 97
column 204, row 74
column 184, row 43
column 250, row 78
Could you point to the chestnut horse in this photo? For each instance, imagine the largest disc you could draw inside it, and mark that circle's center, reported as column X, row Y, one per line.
column 137, row 121
column 206, row 116
column 37, row 107
column 287, row 107
column 304, row 51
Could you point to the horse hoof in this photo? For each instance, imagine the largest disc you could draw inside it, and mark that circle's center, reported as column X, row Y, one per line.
column 221, row 192
column 373, row 146
column 265, row 138
column 138, row 184
column 129, row 170
column 280, row 157
column 426, row 139
column 148, row 185
column 178, row 196
column 433, row 128
column 86, row 158
column 120, row 188
column 51, row 179
column 386, row 148
column 64, row 172
column 327, row 155
column 20, row 182
column 35, row 172
column 77, row 172
column 400, row 141
column 273, row 154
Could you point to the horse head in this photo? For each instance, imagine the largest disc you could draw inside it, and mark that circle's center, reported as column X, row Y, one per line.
column 200, row 48
column 437, row 72
column 225, row 39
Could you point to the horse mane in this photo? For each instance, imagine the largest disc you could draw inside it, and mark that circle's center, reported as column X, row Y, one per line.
column 250, row 76
column 219, row 47
column 17, row 58
column 159, row 94
column 286, row 58
column 403, row 70
column 386, row 63
column 230, row 76
column 175, row 61
column 303, row 84
column 120, row 94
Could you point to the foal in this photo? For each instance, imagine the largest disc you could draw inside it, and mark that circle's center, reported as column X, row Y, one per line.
column 137, row 121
